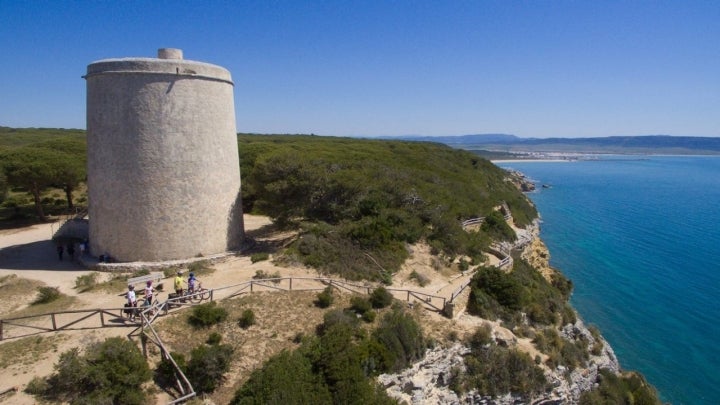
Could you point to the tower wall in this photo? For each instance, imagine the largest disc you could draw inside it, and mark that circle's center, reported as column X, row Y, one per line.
column 163, row 167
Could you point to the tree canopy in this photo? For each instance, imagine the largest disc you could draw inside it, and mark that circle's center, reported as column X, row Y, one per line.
column 358, row 202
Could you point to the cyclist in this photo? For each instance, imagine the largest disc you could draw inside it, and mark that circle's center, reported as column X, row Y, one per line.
column 131, row 301
column 193, row 283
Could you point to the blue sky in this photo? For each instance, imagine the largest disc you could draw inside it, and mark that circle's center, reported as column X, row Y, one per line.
column 529, row 68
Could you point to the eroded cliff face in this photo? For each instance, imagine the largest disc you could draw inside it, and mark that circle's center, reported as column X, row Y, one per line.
column 428, row 381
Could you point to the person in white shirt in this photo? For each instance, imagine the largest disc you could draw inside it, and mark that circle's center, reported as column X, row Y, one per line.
column 149, row 290
column 132, row 301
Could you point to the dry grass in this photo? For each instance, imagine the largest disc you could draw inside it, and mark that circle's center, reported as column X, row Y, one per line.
column 280, row 318
column 62, row 303
column 16, row 292
column 29, row 350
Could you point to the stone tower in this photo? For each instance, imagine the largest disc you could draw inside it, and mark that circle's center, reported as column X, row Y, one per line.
column 163, row 167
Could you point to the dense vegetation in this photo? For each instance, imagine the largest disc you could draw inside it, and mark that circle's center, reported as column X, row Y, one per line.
column 493, row 370
column 505, row 295
column 34, row 161
column 336, row 365
column 359, row 202
column 626, row 389
column 109, row 372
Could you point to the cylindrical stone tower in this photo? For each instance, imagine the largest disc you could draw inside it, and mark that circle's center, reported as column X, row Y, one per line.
column 163, row 167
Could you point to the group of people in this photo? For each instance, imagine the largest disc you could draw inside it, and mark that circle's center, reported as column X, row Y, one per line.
column 132, row 298
column 71, row 249
column 192, row 284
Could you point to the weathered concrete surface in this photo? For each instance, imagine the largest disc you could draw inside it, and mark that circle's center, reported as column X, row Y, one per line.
column 163, row 167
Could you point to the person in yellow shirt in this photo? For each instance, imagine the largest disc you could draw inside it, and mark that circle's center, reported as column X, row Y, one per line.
column 179, row 282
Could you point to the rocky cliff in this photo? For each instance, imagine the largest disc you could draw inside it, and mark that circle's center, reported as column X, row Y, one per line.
column 429, row 381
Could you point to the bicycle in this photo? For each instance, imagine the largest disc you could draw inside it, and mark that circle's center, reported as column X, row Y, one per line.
column 199, row 294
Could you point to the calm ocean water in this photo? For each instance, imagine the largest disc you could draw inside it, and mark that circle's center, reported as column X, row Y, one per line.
column 640, row 238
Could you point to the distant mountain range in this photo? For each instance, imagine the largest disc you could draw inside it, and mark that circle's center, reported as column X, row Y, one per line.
column 654, row 144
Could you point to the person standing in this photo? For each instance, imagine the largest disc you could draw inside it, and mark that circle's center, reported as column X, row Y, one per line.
column 60, row 252
column 179, row 281
column 149, row 290
column 131, row 301
column 71, row 250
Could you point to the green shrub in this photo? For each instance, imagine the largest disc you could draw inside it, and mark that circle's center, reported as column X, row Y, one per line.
column 360, row 305
column 381, row 298
column 247, row 319
column 165, row 372
column 627, row 389
column 481, row 337
column 262, row 275
column 38, row 386
column 325, row 298
column 207, row 366
column 46, row 295
column 421, row 279
column 214, row 338
column 112, row 371
column 497, row 371
column 142, row 272
column 258, row 257
column 200, row 267
column 369, row 316
column 288, row 375
column 338, row 317
column 86, row 282
column 403, row 338
column 207, row 314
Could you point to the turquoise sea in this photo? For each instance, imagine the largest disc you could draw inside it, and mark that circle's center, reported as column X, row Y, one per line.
column 640, row 238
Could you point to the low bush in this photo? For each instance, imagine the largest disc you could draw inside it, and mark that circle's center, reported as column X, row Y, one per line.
column 247, row 319
column 325, row 298
column 46, row 294
column 403, row 338
column 214, row 338
column 110, row 372
column 165, row 372
column 421, row 279
column 86, row 282
column 381, row 298
column 338, row 317
column 560, row 350
column 259, row 257
column 262, row 275
column 497, row 371
column 207, row 366
column 360, row 305
column 201, row 267
column 207, row 314
column 627, row 389
column 481, row 337
column 369, row 316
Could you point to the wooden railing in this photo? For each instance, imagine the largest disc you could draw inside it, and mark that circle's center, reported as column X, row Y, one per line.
column 58, row 321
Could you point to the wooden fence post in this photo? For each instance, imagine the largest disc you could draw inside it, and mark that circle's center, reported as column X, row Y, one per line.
column 52, row 316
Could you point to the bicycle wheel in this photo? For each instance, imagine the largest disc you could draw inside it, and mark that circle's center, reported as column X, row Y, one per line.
column 196, row 296
column 205, row 294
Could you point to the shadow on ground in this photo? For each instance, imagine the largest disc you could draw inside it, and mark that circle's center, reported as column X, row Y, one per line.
column 40, row 255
